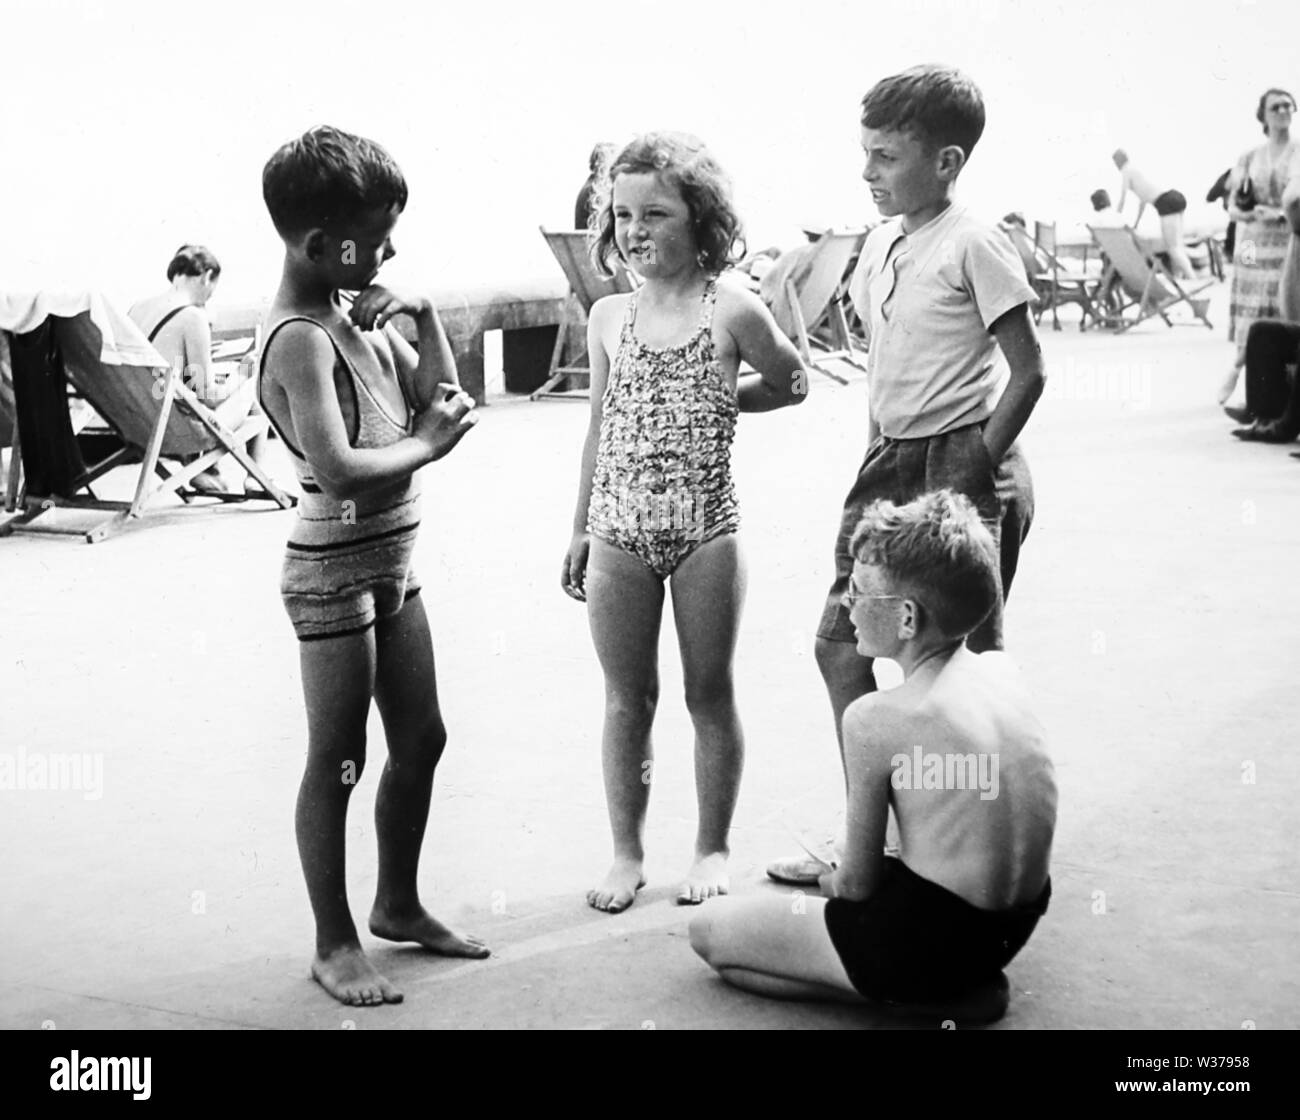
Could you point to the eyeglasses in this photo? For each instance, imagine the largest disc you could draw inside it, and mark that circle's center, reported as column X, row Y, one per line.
column 852, row 595
column 1282, row 107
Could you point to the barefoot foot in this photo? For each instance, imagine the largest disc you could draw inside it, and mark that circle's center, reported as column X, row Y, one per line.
column 707, row 878
column 618, row 891
column 425, row 930
column 350, row 978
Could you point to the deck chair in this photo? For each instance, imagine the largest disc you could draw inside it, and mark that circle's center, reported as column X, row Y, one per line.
column 586, row 286
column 1053, row 283
column 805, row 291
column 154, row 414
column 1146, row 287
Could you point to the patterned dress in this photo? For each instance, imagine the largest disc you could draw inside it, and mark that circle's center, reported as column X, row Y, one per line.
column 1261, row 247
column 662, row 483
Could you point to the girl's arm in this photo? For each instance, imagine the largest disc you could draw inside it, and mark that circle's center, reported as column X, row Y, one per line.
column 868, row 745
column 573, row 577
column 301, row 362
column 422, row 372
column 780, row 378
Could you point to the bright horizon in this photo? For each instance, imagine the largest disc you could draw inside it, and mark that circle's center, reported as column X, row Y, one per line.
column 147, row 128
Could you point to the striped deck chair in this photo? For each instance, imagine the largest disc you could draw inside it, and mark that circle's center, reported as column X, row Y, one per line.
column 805, row 291
column 155, row 416
column 1146, row 288
column 586, row 286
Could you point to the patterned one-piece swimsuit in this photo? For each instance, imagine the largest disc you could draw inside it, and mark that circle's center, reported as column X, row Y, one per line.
column 662, row 482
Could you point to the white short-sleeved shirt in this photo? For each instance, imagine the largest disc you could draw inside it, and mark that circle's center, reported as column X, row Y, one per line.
column 928, row 300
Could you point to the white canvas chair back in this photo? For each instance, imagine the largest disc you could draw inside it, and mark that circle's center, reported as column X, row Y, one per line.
column 572, row 250
column 1136, row 272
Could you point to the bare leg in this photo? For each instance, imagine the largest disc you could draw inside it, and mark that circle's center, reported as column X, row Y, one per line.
column 624, row 608
column 776, row 947
column 337, row 679
column 708, row 594
column 1171, row 226
column 406, row 692
column 848, row 676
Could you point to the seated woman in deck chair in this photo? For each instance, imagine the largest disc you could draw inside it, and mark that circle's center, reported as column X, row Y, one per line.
column 174, row 321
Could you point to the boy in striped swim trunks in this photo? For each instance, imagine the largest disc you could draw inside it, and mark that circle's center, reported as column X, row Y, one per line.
column 359, row 412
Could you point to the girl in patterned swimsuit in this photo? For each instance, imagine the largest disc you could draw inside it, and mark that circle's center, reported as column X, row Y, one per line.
column 655, row 499
column 359, row 413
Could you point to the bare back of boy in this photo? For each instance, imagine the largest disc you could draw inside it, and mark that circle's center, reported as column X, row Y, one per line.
column 970, row 780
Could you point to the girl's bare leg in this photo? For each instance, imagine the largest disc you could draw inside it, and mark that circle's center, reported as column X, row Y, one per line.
column 708, row 595
column 406, row 692
column 624, row 608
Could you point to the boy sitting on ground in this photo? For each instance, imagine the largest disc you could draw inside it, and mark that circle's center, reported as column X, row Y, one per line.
column 958, row 754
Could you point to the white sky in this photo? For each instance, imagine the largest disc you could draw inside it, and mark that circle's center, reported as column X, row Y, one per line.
column 130, row 127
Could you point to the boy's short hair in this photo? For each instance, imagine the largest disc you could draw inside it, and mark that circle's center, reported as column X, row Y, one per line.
column 939, row 105
column 1100, row 199
column 193, row 260
column 327, row 177
column 938, row 550
column 689, row 166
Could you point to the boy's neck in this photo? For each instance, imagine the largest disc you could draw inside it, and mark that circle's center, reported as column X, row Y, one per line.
column 931, row 656
column 303, row 289
column 915, row 219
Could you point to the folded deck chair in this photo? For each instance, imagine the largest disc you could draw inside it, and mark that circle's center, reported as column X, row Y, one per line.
column 586, row 286
column 1054, row 284
column 805, row 291
column 1146, row 287
column 58, row 342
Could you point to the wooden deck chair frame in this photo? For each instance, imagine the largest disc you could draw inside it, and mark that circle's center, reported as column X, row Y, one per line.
column 569, row 358
column 211, row 441
column 1055, row 285
column 819, row 300
column 1147, row 287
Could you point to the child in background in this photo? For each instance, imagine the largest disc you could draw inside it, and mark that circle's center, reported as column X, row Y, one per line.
column 359, row 413
column 656, row 503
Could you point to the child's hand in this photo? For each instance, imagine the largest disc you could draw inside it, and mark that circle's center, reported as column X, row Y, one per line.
column 573, row 578
column 827, row 883
column 376, row 305
column 444, row 423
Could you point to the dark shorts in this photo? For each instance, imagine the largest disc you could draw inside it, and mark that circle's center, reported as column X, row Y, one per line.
column 902, row 469
column 914, row 941
column 1171, row 202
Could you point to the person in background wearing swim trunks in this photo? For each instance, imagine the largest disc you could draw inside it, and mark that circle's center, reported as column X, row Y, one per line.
column 958, row 753
column 1169, row 205
column 656, row 503
column 359, row 413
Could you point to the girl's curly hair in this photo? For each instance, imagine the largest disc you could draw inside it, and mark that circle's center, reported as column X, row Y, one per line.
column 682, row 160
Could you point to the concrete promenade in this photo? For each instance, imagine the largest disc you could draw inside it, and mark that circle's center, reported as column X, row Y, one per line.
column 1156, row 615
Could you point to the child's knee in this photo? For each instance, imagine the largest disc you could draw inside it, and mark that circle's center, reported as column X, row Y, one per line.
column 633, row 703
column 701, row 934
column 835, row 659
column 706, row 696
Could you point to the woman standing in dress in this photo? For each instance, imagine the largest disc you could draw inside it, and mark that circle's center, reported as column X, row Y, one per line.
column 1255, row 190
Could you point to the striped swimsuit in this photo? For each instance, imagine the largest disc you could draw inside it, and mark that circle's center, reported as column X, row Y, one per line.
column 348, row 562
column 662, row 483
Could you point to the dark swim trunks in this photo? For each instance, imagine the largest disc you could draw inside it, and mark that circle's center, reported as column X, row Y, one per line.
column 1171, row 202
column 915, row 941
